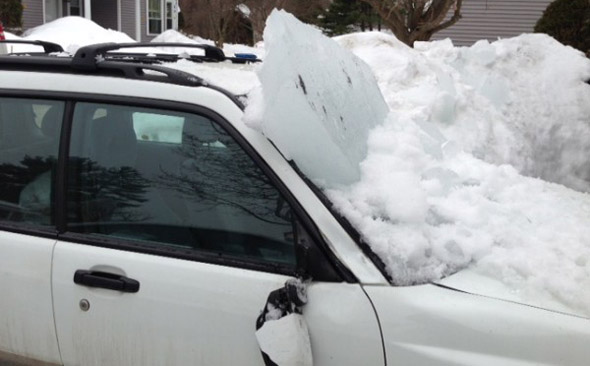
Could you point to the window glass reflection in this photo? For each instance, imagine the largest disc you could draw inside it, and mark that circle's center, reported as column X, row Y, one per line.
column 29, row 144
column 187, row 184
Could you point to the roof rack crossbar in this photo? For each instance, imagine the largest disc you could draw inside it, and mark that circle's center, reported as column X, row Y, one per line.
column 162, row 74
column 88, row 56
column 48, row 47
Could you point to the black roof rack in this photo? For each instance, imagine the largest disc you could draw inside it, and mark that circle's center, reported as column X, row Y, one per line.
column 48, row 47
column 87, row 57
column 94, row 60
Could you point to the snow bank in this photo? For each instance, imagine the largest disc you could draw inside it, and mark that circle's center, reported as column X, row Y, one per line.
column 20, row 48
column 318, row 118
column 74, row 32
column 429, row 205
column 519, row 101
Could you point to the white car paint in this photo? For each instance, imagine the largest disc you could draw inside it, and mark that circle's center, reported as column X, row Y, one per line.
column 26, row 317
column 472, row 282
column 430, row 325
column 195, row 313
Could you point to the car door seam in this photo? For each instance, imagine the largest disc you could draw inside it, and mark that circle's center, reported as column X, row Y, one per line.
column 53, row 301
column 378, row 324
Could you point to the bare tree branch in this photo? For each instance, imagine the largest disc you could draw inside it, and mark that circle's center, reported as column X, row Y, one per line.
column 416, row 20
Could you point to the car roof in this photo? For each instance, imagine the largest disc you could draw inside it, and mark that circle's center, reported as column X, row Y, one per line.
column 98, row 60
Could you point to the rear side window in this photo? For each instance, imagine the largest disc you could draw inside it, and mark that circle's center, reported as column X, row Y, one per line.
column 172, row 180
column 29, row 143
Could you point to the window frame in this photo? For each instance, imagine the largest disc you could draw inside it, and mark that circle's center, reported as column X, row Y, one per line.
column 323, row 266
column 26, row 228
column 149, row 17
column 320, row 263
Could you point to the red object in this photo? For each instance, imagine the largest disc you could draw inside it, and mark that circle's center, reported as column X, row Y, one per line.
column 2, row 32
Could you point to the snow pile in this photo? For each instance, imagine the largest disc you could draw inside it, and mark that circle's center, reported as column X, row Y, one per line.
column 299, row 92
column 519, row 101
column 18, row 47
column 74, row 32
column 427, row 205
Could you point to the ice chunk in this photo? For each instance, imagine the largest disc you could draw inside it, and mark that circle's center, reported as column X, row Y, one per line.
column 320, row 101
column 286, row 341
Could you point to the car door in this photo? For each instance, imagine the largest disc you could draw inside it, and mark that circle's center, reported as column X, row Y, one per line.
column 29, row 142
column 175, row 237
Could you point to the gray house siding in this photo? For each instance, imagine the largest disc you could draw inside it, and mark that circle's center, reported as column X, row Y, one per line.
column 128, row 17
column 33, row 13
column 104, row 13
column 493, row 19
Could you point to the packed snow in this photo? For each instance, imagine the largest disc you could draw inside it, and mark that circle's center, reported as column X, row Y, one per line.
column 519, row 101
column 443, row 185
column 480, row 159
column 74, row 32
column 329, row 149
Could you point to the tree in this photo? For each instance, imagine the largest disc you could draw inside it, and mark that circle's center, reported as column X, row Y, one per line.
column 211, row 19
column 344, row 16
column 229, row 20
column 568, row 21
column 341, row 17
column 417, row 20
column 11, row 13
column 257, row 13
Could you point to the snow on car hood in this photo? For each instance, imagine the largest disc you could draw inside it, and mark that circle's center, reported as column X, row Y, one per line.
column 439, row 184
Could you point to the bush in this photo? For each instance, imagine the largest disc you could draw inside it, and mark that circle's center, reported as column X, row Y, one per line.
column 568, row 21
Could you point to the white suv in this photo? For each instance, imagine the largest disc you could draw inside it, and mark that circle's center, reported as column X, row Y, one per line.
column 142, row 223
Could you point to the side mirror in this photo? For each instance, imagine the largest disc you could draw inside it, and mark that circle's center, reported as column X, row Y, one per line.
column 281, row 330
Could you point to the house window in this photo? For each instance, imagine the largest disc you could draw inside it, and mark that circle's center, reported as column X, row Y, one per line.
column 154, row 16
column 75, row 8
column 169, row 23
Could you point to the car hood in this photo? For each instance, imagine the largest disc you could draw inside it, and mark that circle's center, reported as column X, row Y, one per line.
column 470, row 281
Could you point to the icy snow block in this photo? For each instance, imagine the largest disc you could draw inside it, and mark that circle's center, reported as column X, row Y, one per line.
column 320, row 100
column 286, row 341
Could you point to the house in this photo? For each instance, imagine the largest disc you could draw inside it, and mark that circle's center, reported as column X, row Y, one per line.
column 139, row 19
column 493, row 19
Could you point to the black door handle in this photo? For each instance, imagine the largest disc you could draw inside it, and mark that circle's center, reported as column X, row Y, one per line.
column 106, row 280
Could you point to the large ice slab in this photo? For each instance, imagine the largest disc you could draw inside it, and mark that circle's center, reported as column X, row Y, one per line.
column 320, row 101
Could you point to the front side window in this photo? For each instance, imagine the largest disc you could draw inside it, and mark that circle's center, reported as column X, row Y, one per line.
column 154, row 16
column 29, row 143
column 172, row 180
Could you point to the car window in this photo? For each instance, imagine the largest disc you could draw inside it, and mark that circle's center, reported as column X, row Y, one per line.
column 157, row 127
column 29, row 143
column 172, row 180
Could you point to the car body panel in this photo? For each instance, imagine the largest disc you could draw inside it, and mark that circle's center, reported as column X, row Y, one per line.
column 26, row 321
column 342, row 246
column 431, row 325
column 194, row 313
column 470, row 281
